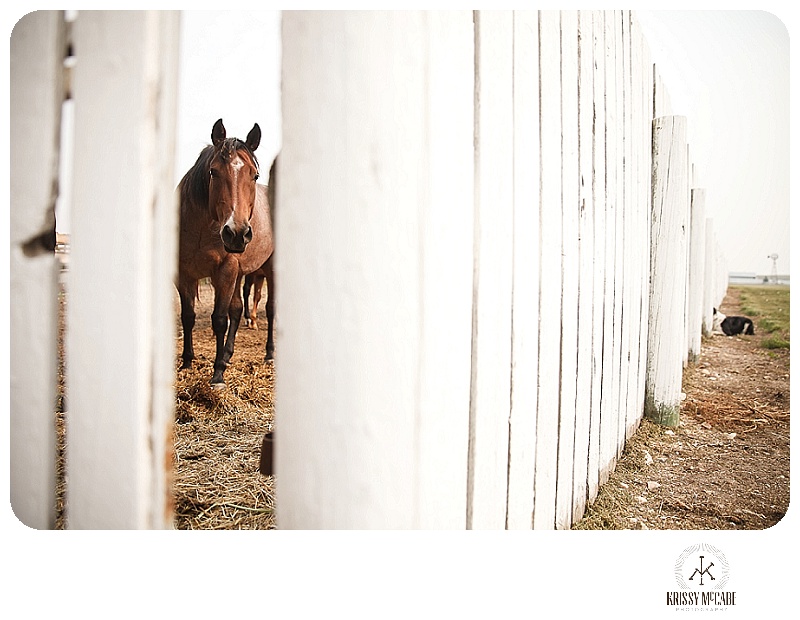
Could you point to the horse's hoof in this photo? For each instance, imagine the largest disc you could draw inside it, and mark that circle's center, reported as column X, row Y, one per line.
column 218, row 386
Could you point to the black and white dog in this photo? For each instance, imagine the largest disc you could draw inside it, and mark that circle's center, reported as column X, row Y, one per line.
column 732, row 325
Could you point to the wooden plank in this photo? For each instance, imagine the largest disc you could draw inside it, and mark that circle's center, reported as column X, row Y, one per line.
column 550, row 274
column 610, row 387
column 348, row 452
column 620, row 367
column 631, row 304
column 446, row 212
column 491, row 354
column 645, row 185
column 687, row 264
column 120, row 341
column 36, row 95
column 697, row 264
column 599, row 200
column 525, row 306
column 640, row 173
column 586, row 342
column 668, row 270
column 710, row 278
column 570, row 266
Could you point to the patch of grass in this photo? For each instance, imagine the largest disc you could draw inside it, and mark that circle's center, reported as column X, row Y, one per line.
column 768, row 306
column 775, row 342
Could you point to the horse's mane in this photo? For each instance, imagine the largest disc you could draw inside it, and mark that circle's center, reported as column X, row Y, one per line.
column 195, row 182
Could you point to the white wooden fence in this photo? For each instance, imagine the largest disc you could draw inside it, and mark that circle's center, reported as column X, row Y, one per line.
column 465, row 266
column 120, row 338
column 422, row 415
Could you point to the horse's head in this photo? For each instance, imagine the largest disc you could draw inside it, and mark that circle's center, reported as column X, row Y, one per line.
column 233, row 171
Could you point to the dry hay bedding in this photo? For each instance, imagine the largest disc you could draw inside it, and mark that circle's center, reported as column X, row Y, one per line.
column 218, row 433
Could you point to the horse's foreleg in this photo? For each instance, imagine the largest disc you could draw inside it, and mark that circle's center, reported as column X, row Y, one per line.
column 270, row 353
column 226, row 286
column 235, row 316
column 187, row 294
column 248, row 283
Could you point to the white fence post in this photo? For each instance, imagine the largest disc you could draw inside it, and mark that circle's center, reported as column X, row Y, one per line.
column 120, row 311
column 697, row 268
column 666, row 341
column 37, row 92
column 373, row 394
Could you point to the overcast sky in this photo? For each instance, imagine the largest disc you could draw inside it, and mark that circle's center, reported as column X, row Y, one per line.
column 206, row 91
column 726, row 71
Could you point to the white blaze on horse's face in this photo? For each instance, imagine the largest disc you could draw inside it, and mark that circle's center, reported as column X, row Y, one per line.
column 232, row 191
column 236, row 166
column 232, row 187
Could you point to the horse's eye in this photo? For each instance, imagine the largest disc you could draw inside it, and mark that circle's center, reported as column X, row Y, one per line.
column 212, row 172
column 255, row 178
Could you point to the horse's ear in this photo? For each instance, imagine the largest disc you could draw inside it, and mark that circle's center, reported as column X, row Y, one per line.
column 218, row 133
column 254, row 137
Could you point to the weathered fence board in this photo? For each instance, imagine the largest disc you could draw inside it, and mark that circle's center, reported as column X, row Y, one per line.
column 525, row 302
column 347, row 452
column 618, row 201
column 550, row 278
column 709, row 292
column 697, row 259
column 643, row 93
column 570, row 266
column 491, row 336
column 586, row 206
column 645, row 198
column 447, row 222
column 631, row 282
column 37, row 92
column 120, row 341
column 599, row 252
column 610, row 388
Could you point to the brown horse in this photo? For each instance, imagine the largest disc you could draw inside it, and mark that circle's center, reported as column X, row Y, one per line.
column 255, row 280
column 225, row 232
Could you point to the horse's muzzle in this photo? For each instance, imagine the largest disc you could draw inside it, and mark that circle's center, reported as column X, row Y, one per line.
column 236, row 241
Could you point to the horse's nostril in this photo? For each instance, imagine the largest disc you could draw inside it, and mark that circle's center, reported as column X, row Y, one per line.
column 248, row 234
column 227, row 234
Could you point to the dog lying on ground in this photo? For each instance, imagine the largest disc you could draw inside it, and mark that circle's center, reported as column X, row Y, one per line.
column 732, row 325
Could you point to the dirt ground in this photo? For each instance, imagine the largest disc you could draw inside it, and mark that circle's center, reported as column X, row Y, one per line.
column 726, row 466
